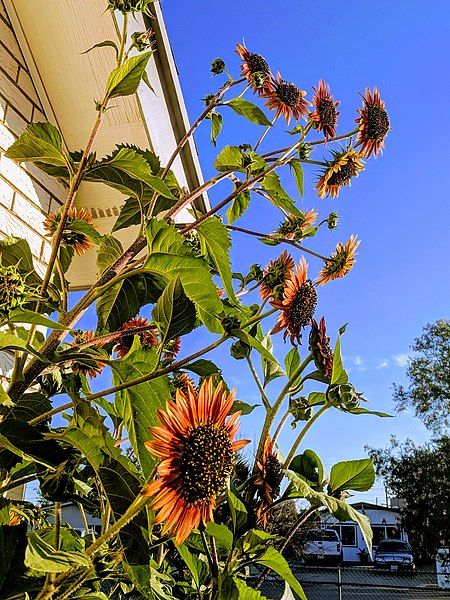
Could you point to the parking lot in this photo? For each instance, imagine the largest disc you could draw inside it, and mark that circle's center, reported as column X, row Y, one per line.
column 360, row 583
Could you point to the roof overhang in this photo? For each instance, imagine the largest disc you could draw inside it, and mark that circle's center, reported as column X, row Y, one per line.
column 54, row 36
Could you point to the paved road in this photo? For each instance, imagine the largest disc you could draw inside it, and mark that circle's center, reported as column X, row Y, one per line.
column 362, row 583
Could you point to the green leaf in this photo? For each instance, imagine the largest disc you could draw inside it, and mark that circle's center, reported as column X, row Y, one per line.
column 216, row 126
column 169, row 256
column 297, row 168
column 238, row 206
column 39, row 143
column 271, row 368
column 249, row 110
column 292, row 362
column 221, row 534
column 106, row 43
column 254, row 343
column 340, row 509
column 338, row 374
column 125, row 170
column 309, row 467
column 174, row 313
column 245, row 408
column 9, row 341
column 315, row 398
column 215, row 239
column 5, row 400
column 357, row 410
column 192, row 562
column 203, row 368
column 137, row 405
column 229, row 159
column 356, row 475
column 244, row 592
column 16, row 251
column 42, row 557
column 13, row 541
column 125, row 80
column 277, row 563
column 237, row 510
column 20, row 315
column 130, row 214
column 277, row 195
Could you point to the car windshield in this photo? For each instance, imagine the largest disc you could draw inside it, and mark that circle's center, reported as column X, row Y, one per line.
column 393, row 547
column 324, row 535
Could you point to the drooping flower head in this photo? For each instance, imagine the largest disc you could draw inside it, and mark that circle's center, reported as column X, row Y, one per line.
column 274, row 277
column 95, row 367
column 294, row 226
column 287, row 100
column 345, row 165
column 196, row 447
column 148, row 336
column 268, row 478
column 255, row 69
column 298, row 304
column 325, row 116
column 373, row 124
column 71, row 237
column 319, row 346
column 340, row 262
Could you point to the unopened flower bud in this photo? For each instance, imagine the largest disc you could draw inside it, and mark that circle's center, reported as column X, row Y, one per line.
column 304, row 151
column 217, row 66
column 141, row 39
column 333, row 220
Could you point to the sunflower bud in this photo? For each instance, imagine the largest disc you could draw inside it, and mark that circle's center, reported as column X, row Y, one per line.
column 319, row 346
column 304, row 151
column 129, row 6
column 13, row 290
column 344, row 396
column 240, row 350
column 217, row 66
column 229, row 324
column 333, row 220
column 300, row 410
column 141, row 40
column 208, row 99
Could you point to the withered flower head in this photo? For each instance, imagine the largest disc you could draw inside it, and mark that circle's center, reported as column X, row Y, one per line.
column 148, row 337
column 274, row 277
column 172, row 348
column 340, row 262
column 13, row 290
column 373, row 124
column 287, row 100
column 298, row 304
column 255, row 69
column 319, row 346
column 345, row 165
column 196, row 447
column 325, row 116
column 91, row 370
column 294, row 226
column 77, row 240
column 268, row 478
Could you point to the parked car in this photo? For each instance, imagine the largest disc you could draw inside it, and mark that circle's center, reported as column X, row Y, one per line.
column 322, row 546
column 394, row 555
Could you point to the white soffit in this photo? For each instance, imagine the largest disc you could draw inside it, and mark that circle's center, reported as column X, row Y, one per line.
column 53, row 35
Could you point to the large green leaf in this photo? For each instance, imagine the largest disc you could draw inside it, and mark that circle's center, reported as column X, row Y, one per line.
column 216, row 126
column 174, row 313
column 238, row 206
column 221, row 533
column 277, row 563
column 39, row 143
column 309, row 467
column 130, row 214
column 242, row 591
column 128, row 171
column 256, row 344
column 237, row 510
column 249, row 110
column 16, row 251
column 13, row 541
column 125, row 80
column 340, row 509
column 215, row 239
column 138, row 404
column 9, row 341
column 277, row 195
column 229, row 159
column 43, row 557
column 21, row 315
column 356, row 475
column 339, row 374
column 297, row 168
column 169, row 256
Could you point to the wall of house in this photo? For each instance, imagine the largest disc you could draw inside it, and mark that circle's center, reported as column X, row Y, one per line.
column 26, row 194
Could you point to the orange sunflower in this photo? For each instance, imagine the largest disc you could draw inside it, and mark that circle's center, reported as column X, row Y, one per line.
column 195, row 442
column 268, row 478
column 77, row 240
column 294, row 226
column 319, row 346
column 298, row 304
column 325, row 116
column 373, row 124
column 345, row 165
column 287, row 99
column 340, row 262
column 255, row 69
column 274, row 276
column 148, row 337
column 95, row 367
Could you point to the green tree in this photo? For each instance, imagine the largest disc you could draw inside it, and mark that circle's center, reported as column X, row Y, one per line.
column 419, row 476
column 428, row 372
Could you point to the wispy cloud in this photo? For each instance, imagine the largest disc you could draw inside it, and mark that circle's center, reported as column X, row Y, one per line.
column 382, row 364
column 400, row 360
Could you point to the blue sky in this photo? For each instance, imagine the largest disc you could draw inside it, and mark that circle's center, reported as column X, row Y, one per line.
column 399, row 206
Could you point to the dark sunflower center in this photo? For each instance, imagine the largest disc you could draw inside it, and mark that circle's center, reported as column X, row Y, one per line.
column 273, row 474
column 288, row 93
column 73, row 238
column 327, row 112
column 377, row 123
column 206, row 463
column 257, row 64
column 345, row 173
column 303, row 307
